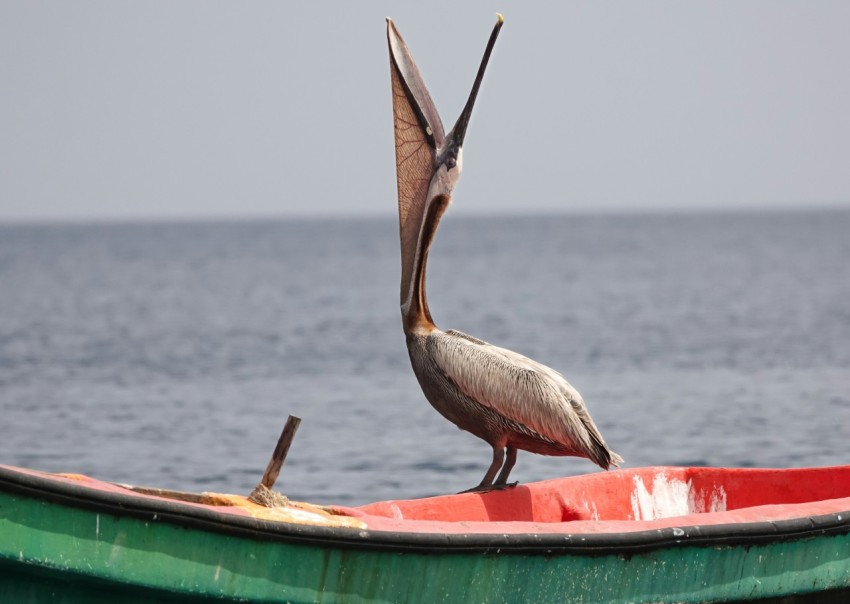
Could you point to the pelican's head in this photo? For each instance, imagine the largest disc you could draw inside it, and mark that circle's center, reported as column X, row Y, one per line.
column 417, row 119
column 446, row 174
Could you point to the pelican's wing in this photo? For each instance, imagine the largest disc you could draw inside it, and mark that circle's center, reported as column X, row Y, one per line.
column 521, row 390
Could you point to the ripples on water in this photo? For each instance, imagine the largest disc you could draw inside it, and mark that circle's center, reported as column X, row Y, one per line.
column 171, row 354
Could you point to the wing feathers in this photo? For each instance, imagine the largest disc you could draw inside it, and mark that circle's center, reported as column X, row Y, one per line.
column 520, row 390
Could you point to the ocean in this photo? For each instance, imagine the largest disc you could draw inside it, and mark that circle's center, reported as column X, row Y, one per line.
column 170, row 354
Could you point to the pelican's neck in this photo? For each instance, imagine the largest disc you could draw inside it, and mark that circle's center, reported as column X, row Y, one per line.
column 414, row 309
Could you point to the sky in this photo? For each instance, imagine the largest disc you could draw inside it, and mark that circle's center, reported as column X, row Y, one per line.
column 206, row 109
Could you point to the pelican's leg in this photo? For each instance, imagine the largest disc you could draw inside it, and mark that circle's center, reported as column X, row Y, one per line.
column 486, row 483
column 502, row 480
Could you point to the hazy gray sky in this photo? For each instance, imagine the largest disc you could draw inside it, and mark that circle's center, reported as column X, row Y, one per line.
column 121, row 110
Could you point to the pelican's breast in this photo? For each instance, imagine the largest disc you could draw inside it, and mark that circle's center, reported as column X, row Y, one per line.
column 445, row 396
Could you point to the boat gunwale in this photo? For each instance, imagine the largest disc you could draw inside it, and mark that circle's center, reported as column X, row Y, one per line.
column 187, row 515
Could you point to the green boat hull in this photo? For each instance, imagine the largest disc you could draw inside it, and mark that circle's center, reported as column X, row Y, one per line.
column 61, row 546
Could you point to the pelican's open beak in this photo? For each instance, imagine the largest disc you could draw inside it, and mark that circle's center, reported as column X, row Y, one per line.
column 428, row 163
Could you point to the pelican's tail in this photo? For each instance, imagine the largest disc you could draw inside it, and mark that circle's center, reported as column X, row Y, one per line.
column 616, row 460
column 596, row 450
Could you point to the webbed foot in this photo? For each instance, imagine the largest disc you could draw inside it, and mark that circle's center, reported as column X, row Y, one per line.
column 486, row 488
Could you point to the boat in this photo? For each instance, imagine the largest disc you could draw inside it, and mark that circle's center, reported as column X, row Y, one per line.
column 654, row 534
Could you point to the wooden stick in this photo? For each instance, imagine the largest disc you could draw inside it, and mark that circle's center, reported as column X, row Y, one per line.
column 280, row 451
column 278, row 457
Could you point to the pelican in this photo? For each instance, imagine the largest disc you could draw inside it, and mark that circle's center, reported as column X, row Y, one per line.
column 502, row 397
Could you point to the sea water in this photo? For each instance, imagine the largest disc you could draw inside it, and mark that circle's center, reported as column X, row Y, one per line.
column 171, row 354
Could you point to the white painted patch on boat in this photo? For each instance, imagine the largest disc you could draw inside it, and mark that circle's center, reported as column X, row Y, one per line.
column 594, row 513
column 665, row 498
column 668, row 497
column 117, row 546
column 217, row 572
column 590, row 507
column 97, row 527
column 717, row 502
column 397, row 515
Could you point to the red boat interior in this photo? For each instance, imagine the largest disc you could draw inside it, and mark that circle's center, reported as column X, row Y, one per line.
column 629, row 495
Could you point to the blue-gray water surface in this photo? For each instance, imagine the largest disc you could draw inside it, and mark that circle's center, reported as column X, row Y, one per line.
column 171, row 354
